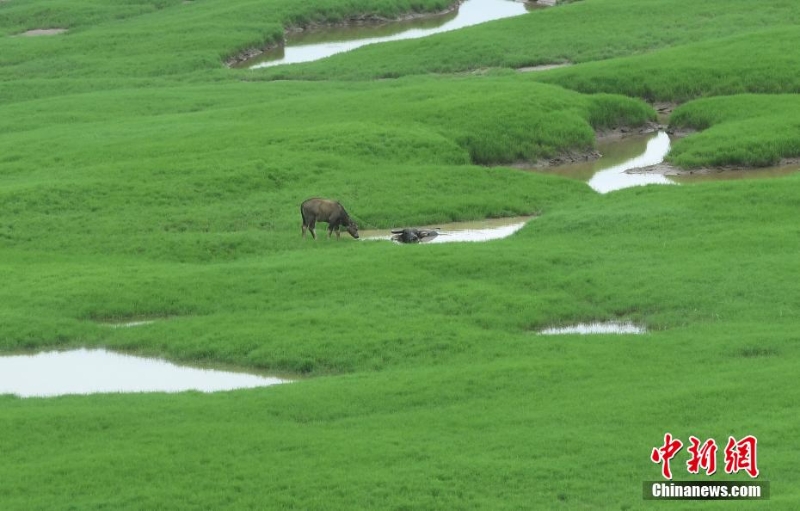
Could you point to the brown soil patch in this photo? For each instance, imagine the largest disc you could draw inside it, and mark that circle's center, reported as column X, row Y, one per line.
column 562, row 159
column 43, row 31
column 664, row 110
column 625, row 131
column 591, row 154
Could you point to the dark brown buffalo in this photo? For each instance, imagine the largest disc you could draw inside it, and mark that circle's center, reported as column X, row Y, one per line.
column 413, row 235
column 325, row 210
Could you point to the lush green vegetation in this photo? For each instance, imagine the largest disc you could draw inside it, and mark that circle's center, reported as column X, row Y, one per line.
column 742, row 130
column 609, row 29
column 760, row 62
column 140, row 178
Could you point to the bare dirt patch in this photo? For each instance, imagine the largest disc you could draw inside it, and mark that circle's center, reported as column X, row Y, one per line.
column 664, row 110
column 561, row 159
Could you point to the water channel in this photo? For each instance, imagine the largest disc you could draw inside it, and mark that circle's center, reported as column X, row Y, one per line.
column 610, row 327
column 605, row 174
column 316, row 44
column 608, row 173
column 84, row 371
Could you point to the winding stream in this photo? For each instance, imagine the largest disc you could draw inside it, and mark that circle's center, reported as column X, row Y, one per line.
column 320, row 43
column 604, row 175
column 607, row 173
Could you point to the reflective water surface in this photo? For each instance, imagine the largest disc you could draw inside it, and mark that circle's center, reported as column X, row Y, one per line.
column 83, row 371
column 607, row 173
column 479, row 230
column 317, row 44
column 610, row 327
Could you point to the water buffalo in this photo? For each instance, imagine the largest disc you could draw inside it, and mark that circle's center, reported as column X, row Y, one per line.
column 329, row 211
column 413, row 235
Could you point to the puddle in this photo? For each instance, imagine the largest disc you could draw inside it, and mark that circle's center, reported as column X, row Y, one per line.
column 481, row 230
column 83, row 371
column 317, row 44
column 131, row 324
column 544, row 67
column 43, row 31
column 607, row 173
column 595, row 328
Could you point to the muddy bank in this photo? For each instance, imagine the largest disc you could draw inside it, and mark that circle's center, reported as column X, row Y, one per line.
column 786, row 165
column 374, row 19
column 353, row 21
column 577, row 156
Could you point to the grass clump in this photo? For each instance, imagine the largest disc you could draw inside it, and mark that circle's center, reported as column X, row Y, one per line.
column 611, row 29
column 754, row 62
column 743, row 130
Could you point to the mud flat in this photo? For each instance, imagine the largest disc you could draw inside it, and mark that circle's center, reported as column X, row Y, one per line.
column 785, row 167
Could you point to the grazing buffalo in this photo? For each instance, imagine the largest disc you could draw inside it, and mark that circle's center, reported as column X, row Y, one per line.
column 329, row 211
column 412, row 235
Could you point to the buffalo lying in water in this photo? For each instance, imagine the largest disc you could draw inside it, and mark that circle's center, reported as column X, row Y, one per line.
column 413, row 235
column 326, row 210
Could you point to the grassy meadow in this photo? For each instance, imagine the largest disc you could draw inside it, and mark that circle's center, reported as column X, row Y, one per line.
column 142, row 179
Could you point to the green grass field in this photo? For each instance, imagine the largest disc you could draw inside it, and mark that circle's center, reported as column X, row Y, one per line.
column 140, row 178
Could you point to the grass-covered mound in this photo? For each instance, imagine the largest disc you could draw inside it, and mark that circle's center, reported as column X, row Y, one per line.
column 608, row 29
column 743, row 130
column 454, row 401
column 762, row 61
column 144, row 43
column 207, row 172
